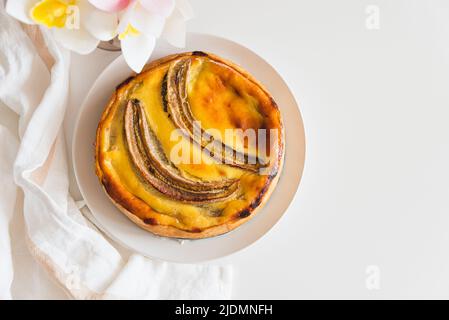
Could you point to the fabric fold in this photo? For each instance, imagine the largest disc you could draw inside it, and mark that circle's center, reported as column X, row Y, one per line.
column 9, row 146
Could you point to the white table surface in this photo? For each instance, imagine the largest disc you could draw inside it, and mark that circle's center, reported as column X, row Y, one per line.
column 375, row 104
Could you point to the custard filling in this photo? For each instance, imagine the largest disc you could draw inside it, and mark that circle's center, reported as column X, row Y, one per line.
column 137, row 143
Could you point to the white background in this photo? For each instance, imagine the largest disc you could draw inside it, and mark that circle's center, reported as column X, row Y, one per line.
column 375, row 105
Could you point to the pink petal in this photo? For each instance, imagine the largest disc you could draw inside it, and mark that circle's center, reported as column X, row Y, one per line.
column 110, row 5
column 160, row 7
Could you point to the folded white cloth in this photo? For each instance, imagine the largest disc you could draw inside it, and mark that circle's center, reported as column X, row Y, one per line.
column 58, row 235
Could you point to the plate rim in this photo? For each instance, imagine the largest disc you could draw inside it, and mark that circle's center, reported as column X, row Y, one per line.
column 115, row 238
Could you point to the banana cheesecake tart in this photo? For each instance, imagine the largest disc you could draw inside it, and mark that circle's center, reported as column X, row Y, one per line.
column 192, row 147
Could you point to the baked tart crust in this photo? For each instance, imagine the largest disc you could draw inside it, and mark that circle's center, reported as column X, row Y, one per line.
column 182, row 107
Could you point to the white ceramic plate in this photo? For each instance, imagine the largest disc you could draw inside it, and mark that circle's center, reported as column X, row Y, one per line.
column 118, row 227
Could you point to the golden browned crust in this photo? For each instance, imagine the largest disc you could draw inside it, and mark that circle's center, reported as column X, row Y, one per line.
column 173, row 232
column 136, row 209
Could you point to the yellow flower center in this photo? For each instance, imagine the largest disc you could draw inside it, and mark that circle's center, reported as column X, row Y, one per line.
column 51, row 13
column 129, row 31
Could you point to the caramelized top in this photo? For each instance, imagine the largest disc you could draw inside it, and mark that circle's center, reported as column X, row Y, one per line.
column 188, row 91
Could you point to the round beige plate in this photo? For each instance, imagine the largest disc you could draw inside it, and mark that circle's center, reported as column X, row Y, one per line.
column 118, row 227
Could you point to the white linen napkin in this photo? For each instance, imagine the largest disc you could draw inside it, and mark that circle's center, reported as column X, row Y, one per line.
column 58, row 235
